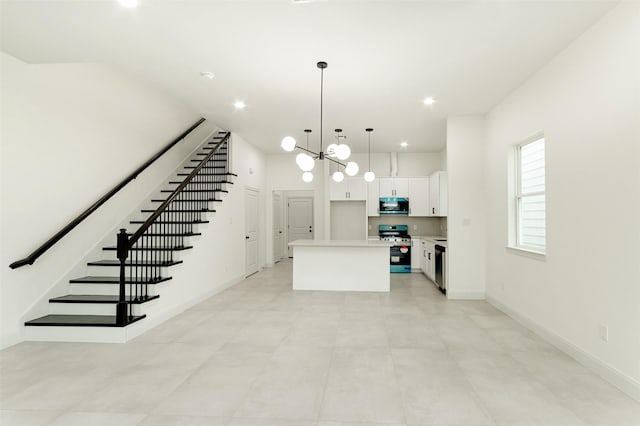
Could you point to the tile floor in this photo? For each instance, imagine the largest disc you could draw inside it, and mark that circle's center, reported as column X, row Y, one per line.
column 260, row 354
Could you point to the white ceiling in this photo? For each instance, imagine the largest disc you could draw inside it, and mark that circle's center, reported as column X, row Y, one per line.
column 384, row 57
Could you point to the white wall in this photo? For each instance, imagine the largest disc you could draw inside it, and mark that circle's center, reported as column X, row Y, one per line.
column 249, row 163
column 69, row 133
column 466, row 214
column 587, row 103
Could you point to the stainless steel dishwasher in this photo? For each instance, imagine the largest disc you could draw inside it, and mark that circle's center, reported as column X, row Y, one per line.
column 441, row 268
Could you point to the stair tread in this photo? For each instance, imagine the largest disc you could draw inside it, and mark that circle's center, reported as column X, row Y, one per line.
column 172, row 221
column 210, row 174
column 173, row 248
column 195, row 190
column 161, row 263
column 173, row 182
column 116, row 280
column 80, row 320
column 90, row 298
column 198, row 160
column 181, row 211
column 210, row 200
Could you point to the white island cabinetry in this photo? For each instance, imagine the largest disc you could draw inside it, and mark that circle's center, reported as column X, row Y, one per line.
column 341, row 265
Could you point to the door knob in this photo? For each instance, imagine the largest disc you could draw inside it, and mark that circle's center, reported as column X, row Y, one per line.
column 246, row 238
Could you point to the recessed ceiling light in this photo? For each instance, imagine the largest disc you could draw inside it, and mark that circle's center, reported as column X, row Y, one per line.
column 239, row 104
column 429, row 101
column 404, row 144
column 128, row 3
column 207, row 74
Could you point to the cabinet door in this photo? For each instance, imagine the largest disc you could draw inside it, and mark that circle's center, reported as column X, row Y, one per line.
column 419, row 196
column 423, row 257
column 338, row 190
column 416, row 254
column 386, row 187
column 438, row 194
column 401, row 187
column 357, row 189
column 431, row 260
column 373, row 198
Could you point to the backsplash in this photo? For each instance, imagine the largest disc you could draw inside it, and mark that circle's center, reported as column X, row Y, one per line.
column 419, row 226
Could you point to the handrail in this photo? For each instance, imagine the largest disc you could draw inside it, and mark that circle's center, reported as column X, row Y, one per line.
column 143, row 228
column 29, row 260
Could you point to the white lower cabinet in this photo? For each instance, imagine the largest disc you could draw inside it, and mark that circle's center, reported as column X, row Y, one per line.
column 429, row 259
column 416, row 254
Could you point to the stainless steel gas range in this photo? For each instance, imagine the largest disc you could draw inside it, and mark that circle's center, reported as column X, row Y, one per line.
column 400, row 252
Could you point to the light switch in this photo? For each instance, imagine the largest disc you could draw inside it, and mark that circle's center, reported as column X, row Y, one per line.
column 466, row 222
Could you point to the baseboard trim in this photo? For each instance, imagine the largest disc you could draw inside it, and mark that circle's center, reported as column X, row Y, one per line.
column 626, row 384
column 466, row 295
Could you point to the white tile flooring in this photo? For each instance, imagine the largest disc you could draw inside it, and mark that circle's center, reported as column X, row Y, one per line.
column 260, row 354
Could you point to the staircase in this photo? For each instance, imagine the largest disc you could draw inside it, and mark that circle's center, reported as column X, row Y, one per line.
column 118, row 289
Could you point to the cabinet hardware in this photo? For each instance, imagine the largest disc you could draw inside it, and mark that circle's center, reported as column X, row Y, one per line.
column 429, row 256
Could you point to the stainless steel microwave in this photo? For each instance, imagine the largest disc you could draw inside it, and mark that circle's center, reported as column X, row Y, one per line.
column 394, row 205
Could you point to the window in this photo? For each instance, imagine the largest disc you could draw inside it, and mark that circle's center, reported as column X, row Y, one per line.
column 530, row 195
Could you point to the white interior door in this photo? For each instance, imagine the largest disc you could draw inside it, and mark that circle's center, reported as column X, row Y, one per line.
column 278, row 235
column 251, row 231
column 300, row 218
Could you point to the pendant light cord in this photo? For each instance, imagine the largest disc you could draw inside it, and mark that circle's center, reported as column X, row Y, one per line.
column 321, row 102
column 369, row 151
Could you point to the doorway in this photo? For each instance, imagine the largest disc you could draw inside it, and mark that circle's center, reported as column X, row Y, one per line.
column 300, row 219
column 252, row 197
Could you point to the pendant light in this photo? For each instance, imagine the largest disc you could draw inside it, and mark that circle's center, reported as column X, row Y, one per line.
column 306, row 159
column 369, row 176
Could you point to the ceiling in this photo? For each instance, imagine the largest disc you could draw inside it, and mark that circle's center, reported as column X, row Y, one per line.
column 384, row 57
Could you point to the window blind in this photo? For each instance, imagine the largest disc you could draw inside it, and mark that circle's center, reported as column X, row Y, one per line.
column 531, row 195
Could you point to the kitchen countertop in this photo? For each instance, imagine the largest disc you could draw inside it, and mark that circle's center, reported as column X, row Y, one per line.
column 340, row 243
column 432, row 239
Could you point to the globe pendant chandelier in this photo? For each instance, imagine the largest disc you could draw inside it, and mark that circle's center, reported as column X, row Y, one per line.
column 335, row 152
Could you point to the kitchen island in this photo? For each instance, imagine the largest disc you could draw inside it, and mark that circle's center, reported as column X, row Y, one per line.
column 341, row 265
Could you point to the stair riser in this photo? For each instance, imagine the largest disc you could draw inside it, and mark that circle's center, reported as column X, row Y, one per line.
column 106, row 289
column 89, row 308
column 113, row 271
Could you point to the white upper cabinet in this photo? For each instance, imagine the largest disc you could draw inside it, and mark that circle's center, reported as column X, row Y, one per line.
column 394, row 187
column 438, row 194
column 419, row 196
column 373, row 198
column 350, row 189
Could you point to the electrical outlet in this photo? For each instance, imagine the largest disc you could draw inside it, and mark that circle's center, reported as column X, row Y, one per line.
column 415, row 227
column 604, row 333
column 370, row 227
column 502, row 286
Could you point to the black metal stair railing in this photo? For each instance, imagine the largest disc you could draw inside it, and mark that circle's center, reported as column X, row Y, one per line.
column 143, row 254
column 30, row 259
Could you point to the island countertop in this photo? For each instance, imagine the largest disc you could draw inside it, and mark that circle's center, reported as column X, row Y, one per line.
column 339, row 243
